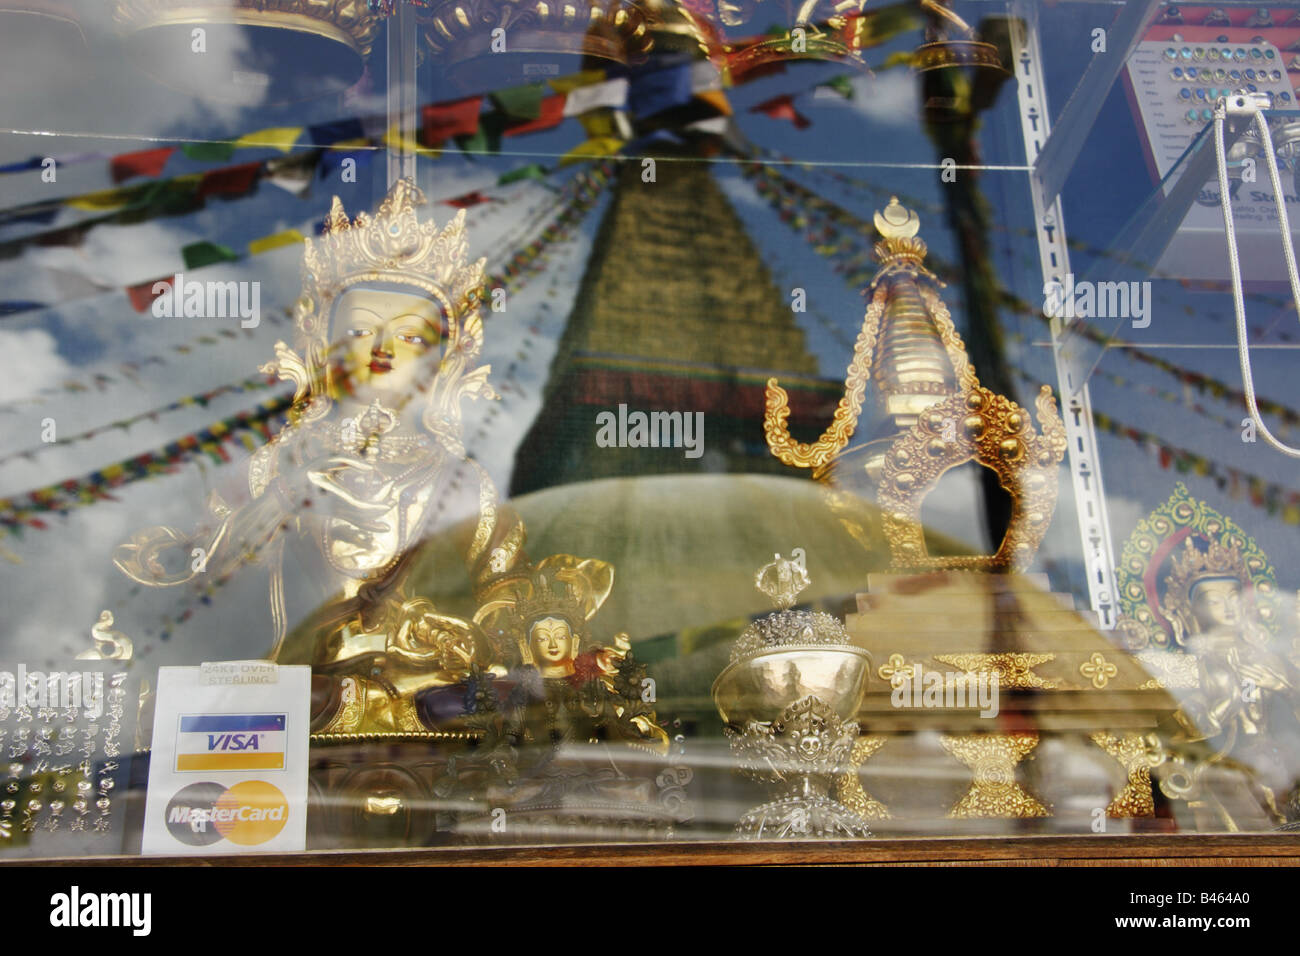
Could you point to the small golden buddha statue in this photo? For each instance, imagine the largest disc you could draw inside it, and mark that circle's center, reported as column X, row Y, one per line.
column 388, row 335
column 564, row 687
column 1246, row 700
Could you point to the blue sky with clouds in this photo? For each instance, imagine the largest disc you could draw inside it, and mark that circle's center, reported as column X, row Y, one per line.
column 875, row 137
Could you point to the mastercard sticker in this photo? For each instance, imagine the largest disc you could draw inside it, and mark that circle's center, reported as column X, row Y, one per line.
column 247, row 745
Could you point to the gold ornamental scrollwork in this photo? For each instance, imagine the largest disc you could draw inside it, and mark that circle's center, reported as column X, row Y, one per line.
column 901, row 253
column 1098, row 671
column 1137, row 754
column 1014, row 670
column 910, row 351
column 776, row 416
column 896, row 670
column 995, row 432
column 1172, row 670
column 848, row 786
column 992, row 759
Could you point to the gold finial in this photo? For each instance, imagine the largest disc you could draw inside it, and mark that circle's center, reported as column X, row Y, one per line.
column 900, row 247
column 897, row 222
column 782, row 579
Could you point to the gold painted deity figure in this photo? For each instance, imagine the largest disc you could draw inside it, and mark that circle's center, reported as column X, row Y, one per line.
column 564, row 686
column 1200, row 613
column 568, row 732
column 388, row 337
column 1247, row 695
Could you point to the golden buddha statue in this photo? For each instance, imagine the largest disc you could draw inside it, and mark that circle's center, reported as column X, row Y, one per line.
column 1246, row 695
column 388, row 335
column 565, row 687
column 1199, row 603
column 564, row 730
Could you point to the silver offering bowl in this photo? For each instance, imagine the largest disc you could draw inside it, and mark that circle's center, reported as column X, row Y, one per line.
column 761, row 687
column 788, row 697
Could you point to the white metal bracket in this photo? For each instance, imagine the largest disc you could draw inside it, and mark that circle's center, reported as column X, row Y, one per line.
column 1054, row 257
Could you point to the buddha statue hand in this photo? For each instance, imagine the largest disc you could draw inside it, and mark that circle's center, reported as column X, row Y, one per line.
column 358, row 484
column 1262, row 677
column 162, row 556
column 426, row 639
column 407, row 644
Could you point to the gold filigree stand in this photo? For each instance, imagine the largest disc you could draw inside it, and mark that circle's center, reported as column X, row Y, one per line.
column 848, row 787
column 992, row 759
column 1137, row 754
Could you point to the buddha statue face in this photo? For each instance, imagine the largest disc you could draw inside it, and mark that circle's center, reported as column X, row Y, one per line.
column 383, row 341
column 1216, row 604
column 554, row 646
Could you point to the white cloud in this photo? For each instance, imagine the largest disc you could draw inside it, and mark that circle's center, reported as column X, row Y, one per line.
column 888, row 98
column 31, row 361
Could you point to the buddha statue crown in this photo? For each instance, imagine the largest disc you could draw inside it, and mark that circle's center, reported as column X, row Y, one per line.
column 545, row 600
column 392, row 248
column 1182, row 543
column 1192, row 566
column 560, row 586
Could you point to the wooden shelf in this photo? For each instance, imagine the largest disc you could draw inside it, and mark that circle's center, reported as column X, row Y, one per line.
column 1272, row 849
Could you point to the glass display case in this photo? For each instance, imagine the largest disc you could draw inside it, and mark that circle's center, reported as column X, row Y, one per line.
column 471, row 426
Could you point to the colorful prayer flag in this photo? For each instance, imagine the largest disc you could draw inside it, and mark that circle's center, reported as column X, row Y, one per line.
column 782, row 108
column 443, row 121
column 230, row 181
column 550, row 113
column 217, row 152
column 278, row 137
column 199, row 254
column 276, row 240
